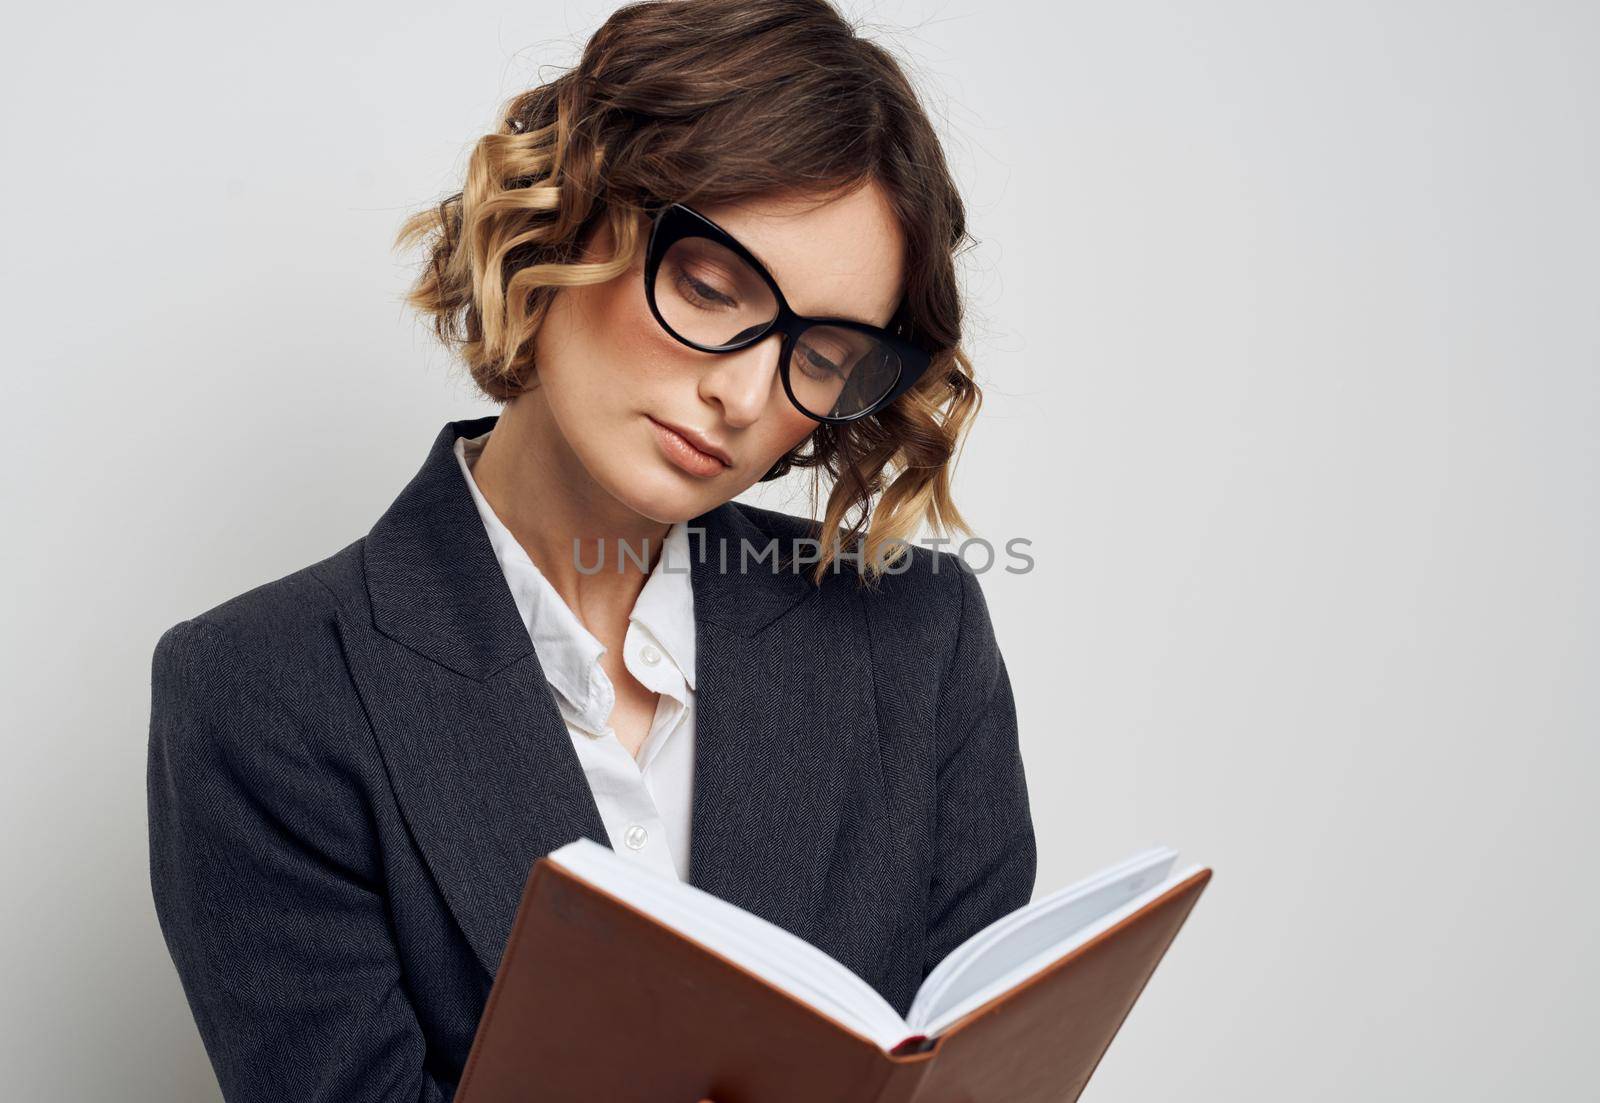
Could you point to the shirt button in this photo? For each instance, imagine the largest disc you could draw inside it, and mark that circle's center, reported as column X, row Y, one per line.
column 651, row 654
column 635, row 836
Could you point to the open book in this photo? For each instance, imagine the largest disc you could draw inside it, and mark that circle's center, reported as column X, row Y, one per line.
column 698, row 997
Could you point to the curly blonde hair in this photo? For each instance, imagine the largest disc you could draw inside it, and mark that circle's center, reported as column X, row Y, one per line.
column 706, row 102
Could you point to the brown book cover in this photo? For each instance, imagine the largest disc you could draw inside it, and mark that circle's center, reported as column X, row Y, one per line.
column 597, row 1000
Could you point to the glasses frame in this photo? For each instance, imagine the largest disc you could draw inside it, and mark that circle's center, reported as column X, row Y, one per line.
column 676, row 221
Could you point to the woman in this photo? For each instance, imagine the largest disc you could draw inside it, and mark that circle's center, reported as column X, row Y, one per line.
column 719, row 249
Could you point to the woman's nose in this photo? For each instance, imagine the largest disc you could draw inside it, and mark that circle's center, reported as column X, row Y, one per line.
column 742, row 382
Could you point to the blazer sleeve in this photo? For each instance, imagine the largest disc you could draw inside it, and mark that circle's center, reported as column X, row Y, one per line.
column 985, row 858
column 279, row 934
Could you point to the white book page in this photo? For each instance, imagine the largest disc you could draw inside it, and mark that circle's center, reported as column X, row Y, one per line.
column 997, row 958
column 772, row 953
column 944, row 1019
column 1016, row 946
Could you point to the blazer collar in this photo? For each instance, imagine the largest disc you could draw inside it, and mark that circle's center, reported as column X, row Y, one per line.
column 437, row 587
column 480, row 759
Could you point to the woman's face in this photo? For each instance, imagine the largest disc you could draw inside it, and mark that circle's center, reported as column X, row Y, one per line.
column 614, row 381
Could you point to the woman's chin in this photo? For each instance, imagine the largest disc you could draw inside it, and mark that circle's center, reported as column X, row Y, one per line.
column 658, row 491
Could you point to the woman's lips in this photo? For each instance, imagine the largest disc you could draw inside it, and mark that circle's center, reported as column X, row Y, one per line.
column 685, row 455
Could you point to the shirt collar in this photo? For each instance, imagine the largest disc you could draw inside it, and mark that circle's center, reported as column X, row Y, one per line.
column 666, row 604
column 569, row 652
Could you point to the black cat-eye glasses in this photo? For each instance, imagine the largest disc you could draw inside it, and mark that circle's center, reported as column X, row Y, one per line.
column 711, row 293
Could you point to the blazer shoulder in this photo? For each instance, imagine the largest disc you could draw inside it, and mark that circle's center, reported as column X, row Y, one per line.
column 285, row 623
column 921, row 608
column 252, row 712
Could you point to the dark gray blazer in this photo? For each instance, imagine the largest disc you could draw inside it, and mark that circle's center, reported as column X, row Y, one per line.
column 353, row 768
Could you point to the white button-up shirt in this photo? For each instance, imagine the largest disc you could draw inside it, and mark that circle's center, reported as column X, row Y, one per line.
column 644, row 802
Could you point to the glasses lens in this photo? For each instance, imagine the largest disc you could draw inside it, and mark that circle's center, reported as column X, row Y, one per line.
column 837, row 372
column 708, row 295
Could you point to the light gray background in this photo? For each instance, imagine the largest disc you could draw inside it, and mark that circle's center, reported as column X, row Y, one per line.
column 1287, row 317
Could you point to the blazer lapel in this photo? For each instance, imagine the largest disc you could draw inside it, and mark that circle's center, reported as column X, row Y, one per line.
column 779, row 715
column 474, row 744
column 480, row 758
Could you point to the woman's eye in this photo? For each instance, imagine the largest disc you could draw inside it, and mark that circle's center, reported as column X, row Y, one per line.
column 699, row 293
column 821, row 366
